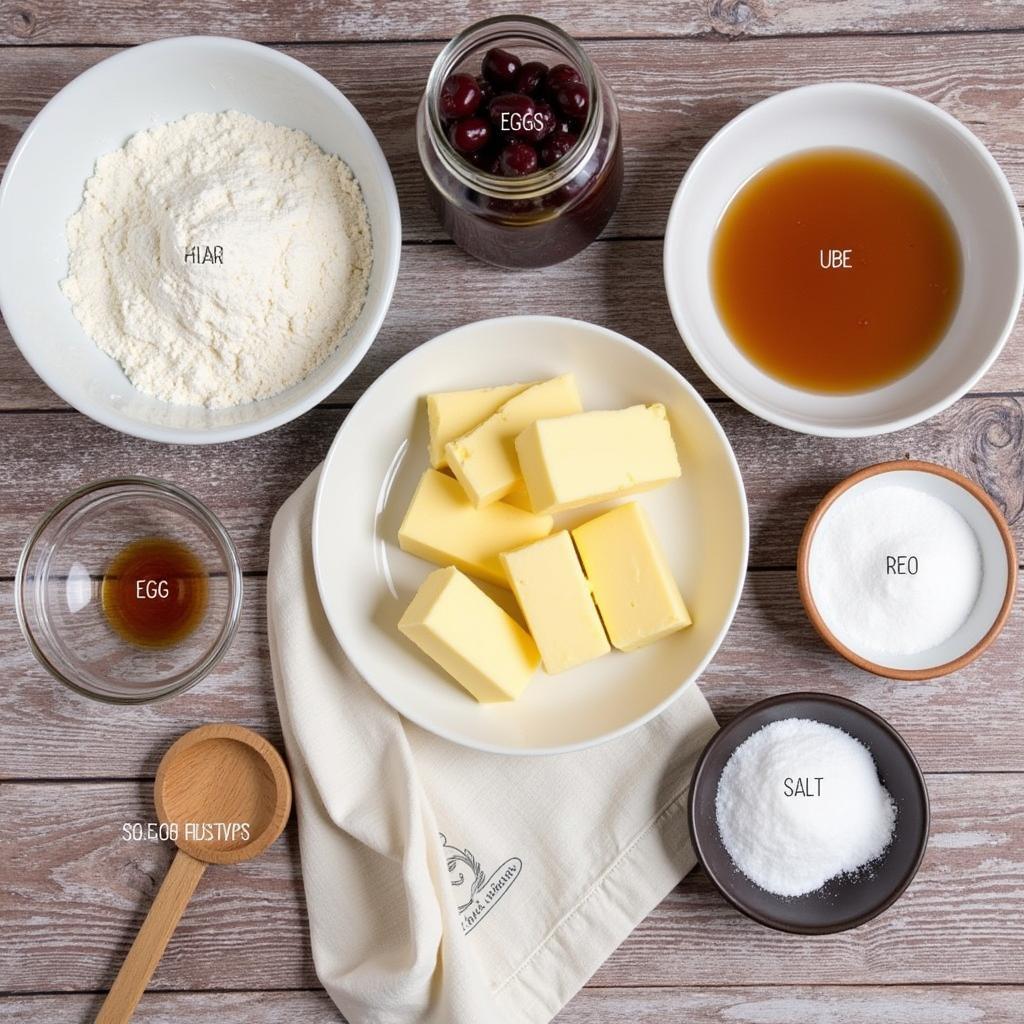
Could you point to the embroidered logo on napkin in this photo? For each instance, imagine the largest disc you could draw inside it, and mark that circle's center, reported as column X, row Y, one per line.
column 482, row 891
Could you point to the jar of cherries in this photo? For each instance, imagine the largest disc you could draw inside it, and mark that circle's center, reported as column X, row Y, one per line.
column 518, row 134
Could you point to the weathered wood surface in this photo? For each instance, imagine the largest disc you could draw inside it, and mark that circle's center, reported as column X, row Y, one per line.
column 821, row 1004
column 785, row 474
column 616, row 284
column 968, row 722
column 107, row 21
column 686, row 92
column 74, row 893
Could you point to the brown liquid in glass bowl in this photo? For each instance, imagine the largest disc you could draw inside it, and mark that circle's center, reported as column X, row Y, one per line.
column 835, row 270
column 154, row 592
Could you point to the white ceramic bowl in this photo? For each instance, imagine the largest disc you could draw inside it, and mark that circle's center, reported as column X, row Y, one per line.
column 366, row 581
column 96, row 113
column 932, row 145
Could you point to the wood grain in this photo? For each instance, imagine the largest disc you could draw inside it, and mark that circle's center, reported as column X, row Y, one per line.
column 667, row 116
column 615, row 284
column 170, row 902
column 75, row 892
column 106, row 21
column 688, row 91
column 821, row 1004
column 785, row 474
column 971, row 721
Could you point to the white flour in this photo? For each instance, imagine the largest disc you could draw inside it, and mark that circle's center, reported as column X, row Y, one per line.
column 265, row 308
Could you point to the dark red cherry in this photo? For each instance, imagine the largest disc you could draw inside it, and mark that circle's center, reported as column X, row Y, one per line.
column 470, row 135
column 541, row 124
column 518, row 159
column 485, row 159
column 486, row 91
column 559, row 75
column 512, row 114
column 567, row 193
column 531, row 78
column 573, row 101
column 555, row 146
column 501, row 67
column 460, row 97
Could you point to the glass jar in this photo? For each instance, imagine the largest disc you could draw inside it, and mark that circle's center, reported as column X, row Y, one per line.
column 541, row 218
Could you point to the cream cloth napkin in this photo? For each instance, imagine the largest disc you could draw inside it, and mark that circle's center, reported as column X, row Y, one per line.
column 449, row 886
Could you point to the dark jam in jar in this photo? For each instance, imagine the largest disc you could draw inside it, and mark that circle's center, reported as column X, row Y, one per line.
column 154, row 592
column 519, row 140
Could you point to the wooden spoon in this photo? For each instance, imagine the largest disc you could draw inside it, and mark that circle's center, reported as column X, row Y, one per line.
column 227, row 792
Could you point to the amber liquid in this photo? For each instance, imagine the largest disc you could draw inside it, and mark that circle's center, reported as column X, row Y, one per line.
column 154, row 592
column 835, row 270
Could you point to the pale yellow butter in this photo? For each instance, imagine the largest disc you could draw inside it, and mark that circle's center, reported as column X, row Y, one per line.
column 593, row 456
column 519, row 496
column 450, row 414
column 638, row 599
column 553, row 593
column 484, row 459
column 470, row 636
column 442, row 526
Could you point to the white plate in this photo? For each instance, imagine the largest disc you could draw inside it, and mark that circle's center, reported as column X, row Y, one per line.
column 366, row 582
column 929, row 143
column 97, row 113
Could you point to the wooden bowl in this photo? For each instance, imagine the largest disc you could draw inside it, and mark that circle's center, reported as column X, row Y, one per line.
column 943, row 665
column 845, row 901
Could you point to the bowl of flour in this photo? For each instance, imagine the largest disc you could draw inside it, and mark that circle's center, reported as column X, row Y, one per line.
column 203, row 238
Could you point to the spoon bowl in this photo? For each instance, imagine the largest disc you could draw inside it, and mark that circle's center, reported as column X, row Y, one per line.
column 226, row 792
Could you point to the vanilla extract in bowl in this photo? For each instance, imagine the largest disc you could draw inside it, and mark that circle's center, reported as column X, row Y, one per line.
column 835, row 270
column 155, row 592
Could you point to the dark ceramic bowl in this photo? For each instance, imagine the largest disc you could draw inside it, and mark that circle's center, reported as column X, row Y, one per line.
column 849, row 900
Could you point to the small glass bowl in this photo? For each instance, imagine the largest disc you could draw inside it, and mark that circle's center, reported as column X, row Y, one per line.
column 58, row 590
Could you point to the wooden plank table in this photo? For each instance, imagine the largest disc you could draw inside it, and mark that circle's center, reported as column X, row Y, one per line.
column 72, row 892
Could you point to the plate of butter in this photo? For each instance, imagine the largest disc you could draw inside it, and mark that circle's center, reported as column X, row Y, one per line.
column 530, row 535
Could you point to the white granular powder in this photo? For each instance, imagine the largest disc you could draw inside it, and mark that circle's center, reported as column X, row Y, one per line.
column 838, row 818
column 280, row 257
column 894, row 570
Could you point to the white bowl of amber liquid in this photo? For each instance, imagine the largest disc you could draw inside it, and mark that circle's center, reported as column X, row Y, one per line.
column 844, row 259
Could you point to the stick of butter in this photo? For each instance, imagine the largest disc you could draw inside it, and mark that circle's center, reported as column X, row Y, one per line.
column 484, row 460
column 634, row 590
column 519, row 496
column 470, row 636
column 593, row 456
column 555, row 598
column 450, row 414
column 443, row 527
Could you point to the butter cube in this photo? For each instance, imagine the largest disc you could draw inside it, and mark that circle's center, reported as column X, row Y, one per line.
column 554, row 595
column 470, row 636
column 519, row 496
column 484, row 459
column 453, row 413
column 593, row 456
column 635, row 593
column 443, row 527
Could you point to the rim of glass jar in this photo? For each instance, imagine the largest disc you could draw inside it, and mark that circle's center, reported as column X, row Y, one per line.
column 184, row 680
column 535, row 30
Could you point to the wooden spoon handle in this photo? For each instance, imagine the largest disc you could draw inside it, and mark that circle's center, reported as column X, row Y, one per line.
column 149, row 944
